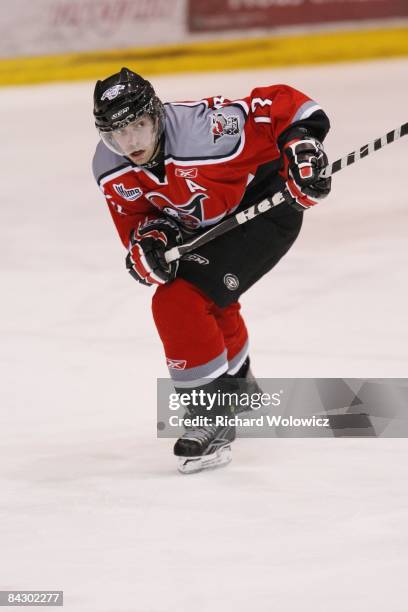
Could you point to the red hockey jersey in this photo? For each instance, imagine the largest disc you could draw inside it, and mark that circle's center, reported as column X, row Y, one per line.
column 213, row 149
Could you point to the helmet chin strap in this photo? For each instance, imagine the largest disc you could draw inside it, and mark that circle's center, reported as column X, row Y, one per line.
column 157, row 157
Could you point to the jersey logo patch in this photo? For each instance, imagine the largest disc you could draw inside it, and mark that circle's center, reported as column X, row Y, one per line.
column 188, row 173
column 222, row 125
column 231, row 281
column 190, row 214
column 176, row 364
column 128, row 194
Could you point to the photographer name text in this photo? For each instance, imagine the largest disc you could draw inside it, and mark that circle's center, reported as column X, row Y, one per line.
column 240, row 421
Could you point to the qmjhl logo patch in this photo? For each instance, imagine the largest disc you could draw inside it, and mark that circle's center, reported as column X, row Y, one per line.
column 128, row 194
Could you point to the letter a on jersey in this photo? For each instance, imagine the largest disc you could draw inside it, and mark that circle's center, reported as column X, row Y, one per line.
column 193, row 187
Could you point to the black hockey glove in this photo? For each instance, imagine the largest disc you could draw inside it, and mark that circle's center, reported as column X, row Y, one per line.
column 304, row 159
column 148, row 243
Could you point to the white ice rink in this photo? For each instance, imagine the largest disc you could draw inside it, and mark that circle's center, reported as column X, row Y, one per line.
column 91, row 502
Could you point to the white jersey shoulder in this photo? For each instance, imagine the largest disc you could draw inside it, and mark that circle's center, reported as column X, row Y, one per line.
column 196, row 132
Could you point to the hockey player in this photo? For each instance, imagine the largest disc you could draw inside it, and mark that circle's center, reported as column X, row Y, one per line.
column 168, row 171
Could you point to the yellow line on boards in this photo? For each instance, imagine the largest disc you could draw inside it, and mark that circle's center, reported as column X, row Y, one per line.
column 313, row 48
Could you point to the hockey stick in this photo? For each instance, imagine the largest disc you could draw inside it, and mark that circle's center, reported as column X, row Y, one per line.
column 279, row 198
column 364, row 151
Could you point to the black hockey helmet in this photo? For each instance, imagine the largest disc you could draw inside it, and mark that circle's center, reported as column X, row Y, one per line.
column 123, row 98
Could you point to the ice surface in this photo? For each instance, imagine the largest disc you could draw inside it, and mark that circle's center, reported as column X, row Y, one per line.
column 90, row 500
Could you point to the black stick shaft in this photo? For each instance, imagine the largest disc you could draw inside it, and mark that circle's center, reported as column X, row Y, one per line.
column 278, row 198
column 364, row 151
column 225, row 226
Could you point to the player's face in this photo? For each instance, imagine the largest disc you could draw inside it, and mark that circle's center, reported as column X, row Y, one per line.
column 137, row 140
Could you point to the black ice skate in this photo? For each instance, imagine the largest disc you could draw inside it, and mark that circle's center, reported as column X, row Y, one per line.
column 243, row 381
column 208, row 444
column 204, row 447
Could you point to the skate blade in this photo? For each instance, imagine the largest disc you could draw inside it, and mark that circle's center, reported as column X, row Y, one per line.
column 192, row 465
